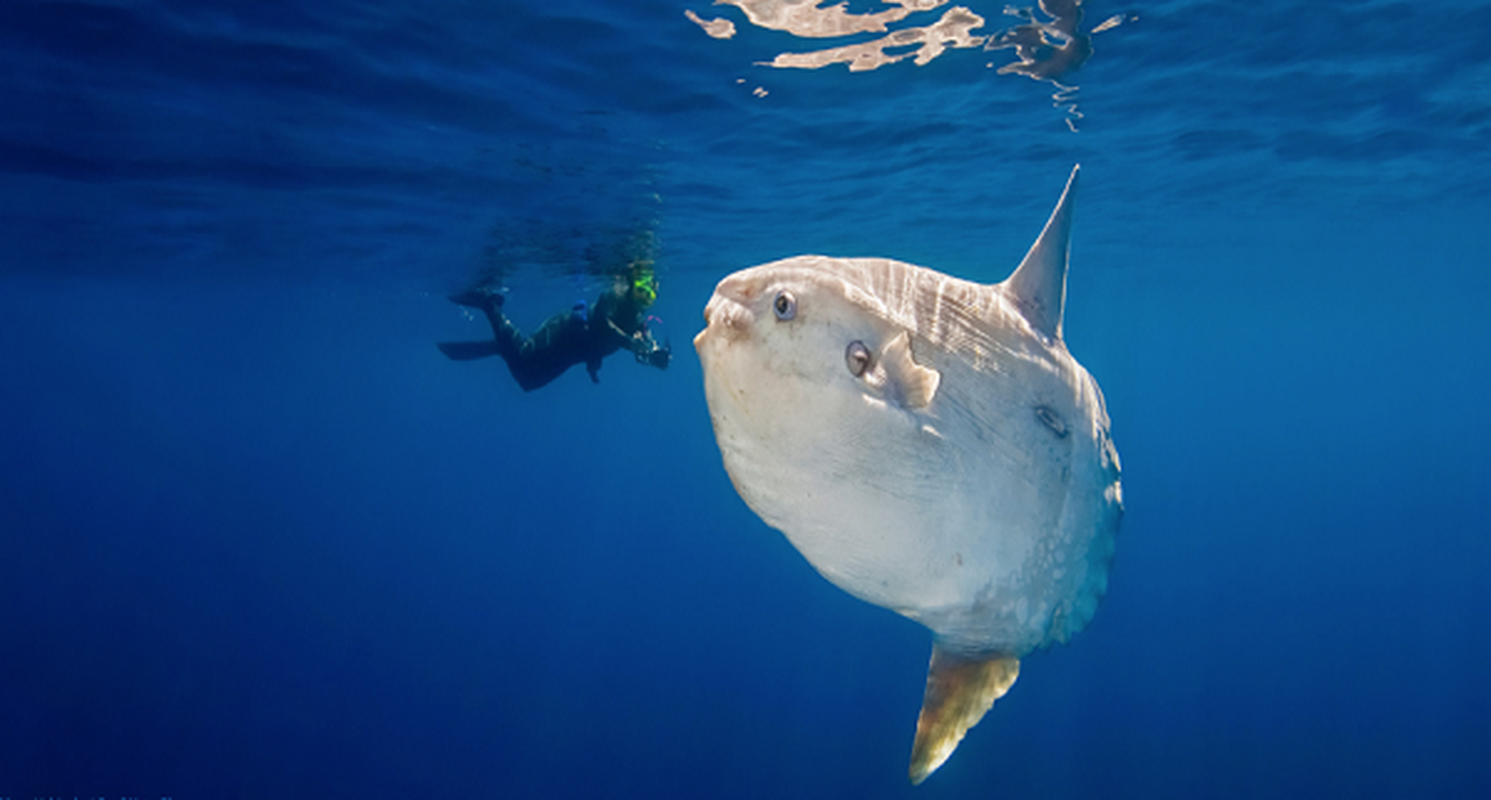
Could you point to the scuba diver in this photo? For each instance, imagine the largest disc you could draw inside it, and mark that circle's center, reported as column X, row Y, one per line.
column 582, row 335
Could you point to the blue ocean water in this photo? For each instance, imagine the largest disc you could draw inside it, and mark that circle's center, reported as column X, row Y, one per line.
column 258, row 538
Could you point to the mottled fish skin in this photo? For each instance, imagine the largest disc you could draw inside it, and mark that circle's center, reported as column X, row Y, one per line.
column 927, row 443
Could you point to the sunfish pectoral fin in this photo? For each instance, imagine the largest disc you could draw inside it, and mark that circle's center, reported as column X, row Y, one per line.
column 960, row 689
column 1038, row 286
column 896, row 372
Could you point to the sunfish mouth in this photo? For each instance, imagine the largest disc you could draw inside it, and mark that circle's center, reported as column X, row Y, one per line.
column 725, row 315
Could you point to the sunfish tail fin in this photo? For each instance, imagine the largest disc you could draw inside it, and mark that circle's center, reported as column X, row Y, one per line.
column 1038, row 286
column 960, row 690
column 468, row 351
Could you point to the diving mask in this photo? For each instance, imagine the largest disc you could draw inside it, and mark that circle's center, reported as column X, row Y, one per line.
column 644, row 284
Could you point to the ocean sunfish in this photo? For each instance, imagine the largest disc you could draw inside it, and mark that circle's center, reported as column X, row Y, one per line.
column 930, row 446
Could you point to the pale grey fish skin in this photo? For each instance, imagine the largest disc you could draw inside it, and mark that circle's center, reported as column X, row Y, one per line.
column 989, row 515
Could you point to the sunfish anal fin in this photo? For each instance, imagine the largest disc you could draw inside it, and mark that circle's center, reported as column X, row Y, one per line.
column 896, row 373
column 960, row 690
column 1038, row 286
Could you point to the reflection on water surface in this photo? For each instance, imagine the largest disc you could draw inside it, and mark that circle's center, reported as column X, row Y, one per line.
column 1048, row 43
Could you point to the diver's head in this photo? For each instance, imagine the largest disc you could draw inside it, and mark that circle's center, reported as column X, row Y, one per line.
column 644, row 283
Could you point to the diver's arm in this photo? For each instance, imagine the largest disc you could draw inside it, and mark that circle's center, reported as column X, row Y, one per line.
column 640, row 343
column 648, row 351
column 622, row 337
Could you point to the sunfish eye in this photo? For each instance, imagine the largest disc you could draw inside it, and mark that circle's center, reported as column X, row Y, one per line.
column 857, row 358
column 785, row 306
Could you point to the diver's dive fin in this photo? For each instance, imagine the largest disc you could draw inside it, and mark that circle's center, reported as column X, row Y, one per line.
column 468, row 351
column 959, row 690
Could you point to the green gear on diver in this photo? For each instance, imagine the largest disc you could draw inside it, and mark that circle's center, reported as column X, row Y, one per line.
column 644, row 283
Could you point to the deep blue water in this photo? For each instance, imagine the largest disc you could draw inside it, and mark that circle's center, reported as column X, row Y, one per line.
column 259, row 539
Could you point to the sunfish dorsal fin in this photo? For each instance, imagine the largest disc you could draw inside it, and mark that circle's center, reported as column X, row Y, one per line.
column 1038, row 287
column 960, row 690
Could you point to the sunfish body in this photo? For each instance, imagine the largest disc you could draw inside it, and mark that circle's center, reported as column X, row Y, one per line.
column 930, row 446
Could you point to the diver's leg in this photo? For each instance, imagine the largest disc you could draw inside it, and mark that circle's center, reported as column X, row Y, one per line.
column 544, row 340
column 506, row 336
column 488, row 301
column 546, row 354
column 507, row 340
column 510, row 341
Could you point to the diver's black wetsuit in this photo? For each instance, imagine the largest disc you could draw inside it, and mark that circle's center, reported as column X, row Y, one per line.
column 582, row 335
